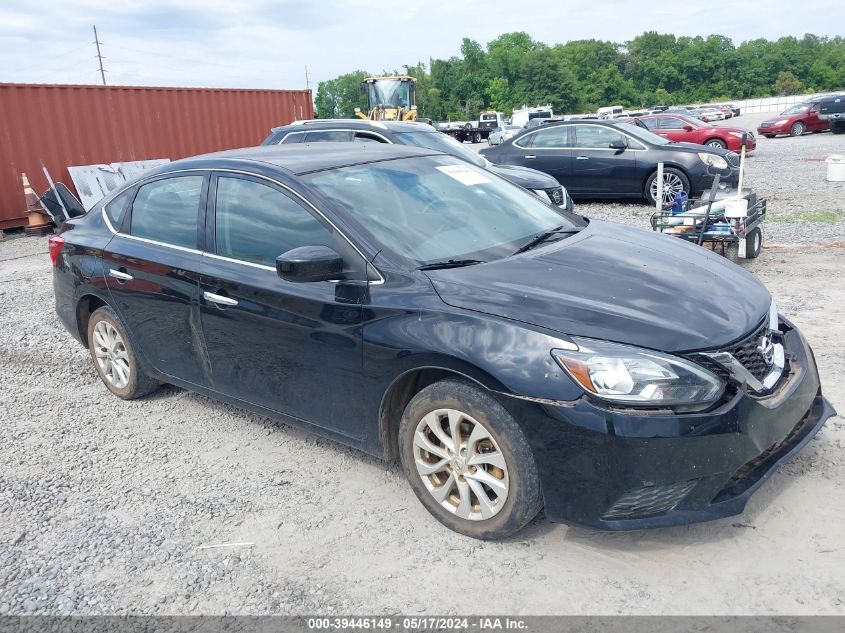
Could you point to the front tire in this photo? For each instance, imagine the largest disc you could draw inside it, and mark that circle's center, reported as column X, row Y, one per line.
column 797, row 129
column 477, row 138
column 468, row 461
column 674, row 181
column 113, row 356
column 769, row 135
column 717, row 142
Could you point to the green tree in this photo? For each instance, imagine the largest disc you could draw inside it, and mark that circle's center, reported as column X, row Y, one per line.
column 337, row 98
column 787, row 83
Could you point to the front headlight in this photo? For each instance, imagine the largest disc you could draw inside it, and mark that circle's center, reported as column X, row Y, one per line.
column 737, row 134
column 712, row 160
column 780, row 122
column 637, row 376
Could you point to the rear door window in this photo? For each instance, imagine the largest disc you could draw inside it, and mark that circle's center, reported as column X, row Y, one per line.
column 337, row 136
column 548, row 138
column 167, row 210
column 366, row 137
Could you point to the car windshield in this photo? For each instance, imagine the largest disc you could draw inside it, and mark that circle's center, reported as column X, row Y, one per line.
column 644, row 135
column 392, row 93
column 801, row 108
column 442, row 143
column 438, row 208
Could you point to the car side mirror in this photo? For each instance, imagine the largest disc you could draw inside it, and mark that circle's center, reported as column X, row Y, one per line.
column 309, row 263
column 688, row 128
column 618, row 145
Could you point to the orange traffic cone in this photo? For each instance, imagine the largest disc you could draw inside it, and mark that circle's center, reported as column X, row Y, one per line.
column 39, row 222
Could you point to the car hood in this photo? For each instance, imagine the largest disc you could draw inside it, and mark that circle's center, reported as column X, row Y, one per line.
column 619, row 284
column 782, row 117
column 525, row 176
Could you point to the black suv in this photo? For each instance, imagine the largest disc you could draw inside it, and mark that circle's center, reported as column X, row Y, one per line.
column 418, row 135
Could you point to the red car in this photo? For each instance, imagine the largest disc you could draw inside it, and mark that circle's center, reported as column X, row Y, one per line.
column 677, row 127
column 795, row 121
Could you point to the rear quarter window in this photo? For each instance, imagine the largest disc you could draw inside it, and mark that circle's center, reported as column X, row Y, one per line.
column 116, row 209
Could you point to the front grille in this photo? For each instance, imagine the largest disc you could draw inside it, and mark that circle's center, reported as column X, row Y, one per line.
column 555, row 195
column 746, row 352
column 649, row 500
column 732, row 158
column 749, row 355
column 765, row 124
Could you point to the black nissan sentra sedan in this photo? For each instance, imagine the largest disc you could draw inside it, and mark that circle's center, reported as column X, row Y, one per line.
column 513, row 355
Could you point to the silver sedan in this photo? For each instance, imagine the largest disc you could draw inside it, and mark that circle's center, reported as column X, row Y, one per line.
column 501, row 134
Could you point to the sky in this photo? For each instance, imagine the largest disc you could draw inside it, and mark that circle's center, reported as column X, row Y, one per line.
column 268, row 44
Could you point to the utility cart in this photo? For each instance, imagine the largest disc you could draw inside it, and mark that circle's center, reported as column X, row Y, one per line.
column 717, row 224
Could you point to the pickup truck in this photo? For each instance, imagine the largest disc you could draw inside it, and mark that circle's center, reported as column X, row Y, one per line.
column 832, row 110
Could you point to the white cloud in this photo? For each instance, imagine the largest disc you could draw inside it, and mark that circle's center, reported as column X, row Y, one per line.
column 242, row 43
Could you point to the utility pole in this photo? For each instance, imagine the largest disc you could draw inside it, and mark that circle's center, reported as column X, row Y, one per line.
column 99, row 56
column 307, row 82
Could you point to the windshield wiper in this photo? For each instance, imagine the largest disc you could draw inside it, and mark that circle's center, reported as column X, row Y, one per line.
column 449, row 263
column 542, row 237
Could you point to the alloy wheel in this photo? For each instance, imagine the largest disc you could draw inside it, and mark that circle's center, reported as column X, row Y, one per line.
column 460, row 464
column 112, row 357
column 672, row 184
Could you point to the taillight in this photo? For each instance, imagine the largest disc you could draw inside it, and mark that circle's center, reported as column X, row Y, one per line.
column 56, row 242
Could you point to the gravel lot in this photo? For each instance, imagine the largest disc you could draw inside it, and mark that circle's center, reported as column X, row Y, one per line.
column 104, row 503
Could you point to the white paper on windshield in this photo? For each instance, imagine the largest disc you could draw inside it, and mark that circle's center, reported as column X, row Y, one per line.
column 464, row 175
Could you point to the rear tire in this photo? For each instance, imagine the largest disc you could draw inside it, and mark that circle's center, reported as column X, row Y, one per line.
column 114, row 358
column 797, row 129
column 486, row 484
column 717, row 142
column 477, row 138
column 753, row 243
column 837, row 127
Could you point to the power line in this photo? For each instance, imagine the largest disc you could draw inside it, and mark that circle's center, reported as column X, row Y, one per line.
column 99, row 56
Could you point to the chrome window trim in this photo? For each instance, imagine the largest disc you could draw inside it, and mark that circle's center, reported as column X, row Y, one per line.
column 333, row 130
column 573, row 147
column 208, row 170
column 157, row 243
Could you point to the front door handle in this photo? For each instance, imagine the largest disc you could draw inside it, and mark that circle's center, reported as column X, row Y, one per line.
column 120, row 276
column 582, row 158
column 219, row 299
column 530, row 156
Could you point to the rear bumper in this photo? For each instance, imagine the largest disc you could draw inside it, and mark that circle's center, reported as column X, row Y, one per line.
column 615, row 470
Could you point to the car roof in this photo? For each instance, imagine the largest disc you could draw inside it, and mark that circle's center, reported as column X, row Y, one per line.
column 303, row 158
column 356, row 124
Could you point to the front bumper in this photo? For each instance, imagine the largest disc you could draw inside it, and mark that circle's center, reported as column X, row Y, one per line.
column 783, row 128
column 628, row 470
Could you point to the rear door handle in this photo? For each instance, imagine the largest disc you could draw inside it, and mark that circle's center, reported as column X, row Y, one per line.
column 530, row 156
column 120, row 276
column 582, row 158
column 219, row 299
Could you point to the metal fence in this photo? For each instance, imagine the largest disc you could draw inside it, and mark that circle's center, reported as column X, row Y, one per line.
column 66, row 125
column 776, row 104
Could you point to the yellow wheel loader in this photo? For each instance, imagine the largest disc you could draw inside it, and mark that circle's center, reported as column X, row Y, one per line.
column 389, row 98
